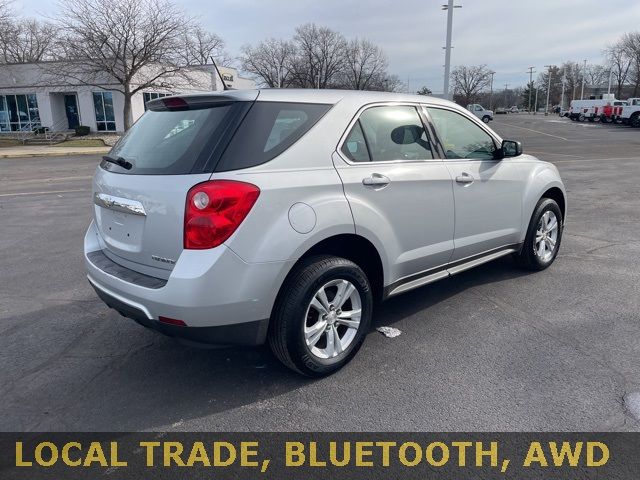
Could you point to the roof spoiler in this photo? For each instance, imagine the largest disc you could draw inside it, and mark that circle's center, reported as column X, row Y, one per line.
column 200, row 100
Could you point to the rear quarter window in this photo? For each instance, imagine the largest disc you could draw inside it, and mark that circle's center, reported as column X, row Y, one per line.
column 268, row 130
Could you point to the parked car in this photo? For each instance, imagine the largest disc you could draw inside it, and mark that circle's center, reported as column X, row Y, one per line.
column 281, row 216
column 501, row 111
column 482, row 113
column 514, row 109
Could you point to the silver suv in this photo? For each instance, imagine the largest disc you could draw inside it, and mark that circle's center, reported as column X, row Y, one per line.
column 243, row 217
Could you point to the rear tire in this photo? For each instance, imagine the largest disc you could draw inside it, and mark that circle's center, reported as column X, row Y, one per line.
column 543, row 238
column 581, row 117
column 315, row 333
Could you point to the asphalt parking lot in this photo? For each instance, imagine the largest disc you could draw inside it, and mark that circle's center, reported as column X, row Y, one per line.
column 494, row 348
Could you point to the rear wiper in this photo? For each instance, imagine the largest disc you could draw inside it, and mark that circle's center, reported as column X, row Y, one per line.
column 118, row 161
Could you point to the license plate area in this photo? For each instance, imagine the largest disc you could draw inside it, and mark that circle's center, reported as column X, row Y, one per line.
column 121, row 231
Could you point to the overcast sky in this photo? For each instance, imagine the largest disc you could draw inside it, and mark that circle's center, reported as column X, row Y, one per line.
column 507, row 35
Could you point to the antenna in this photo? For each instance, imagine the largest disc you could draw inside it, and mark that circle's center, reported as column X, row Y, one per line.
column 224, row 85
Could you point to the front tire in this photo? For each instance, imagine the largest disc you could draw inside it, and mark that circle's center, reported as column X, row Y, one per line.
column 486, row 119
column 322, row 315
column 543, row 238
column 634, row 121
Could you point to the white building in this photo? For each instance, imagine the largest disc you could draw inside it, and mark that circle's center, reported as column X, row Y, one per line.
column 32, row 96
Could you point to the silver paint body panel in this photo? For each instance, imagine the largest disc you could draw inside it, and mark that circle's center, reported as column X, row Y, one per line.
column 422, row 221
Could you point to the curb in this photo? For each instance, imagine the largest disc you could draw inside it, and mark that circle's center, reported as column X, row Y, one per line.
column 49, row 154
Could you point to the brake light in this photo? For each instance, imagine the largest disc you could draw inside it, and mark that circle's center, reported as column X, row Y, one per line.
column 175, row 103
column 214, row 210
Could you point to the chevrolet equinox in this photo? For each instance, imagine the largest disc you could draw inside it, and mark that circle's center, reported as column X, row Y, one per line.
column 282, row 216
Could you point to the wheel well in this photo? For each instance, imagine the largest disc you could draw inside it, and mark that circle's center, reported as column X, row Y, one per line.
column 357, row 249
column 556, row 194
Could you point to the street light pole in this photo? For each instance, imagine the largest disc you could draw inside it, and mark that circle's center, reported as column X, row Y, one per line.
column 536, row 106
column 546, row 110
column 610, row 75
column 584, row 75
column 564, row 80
column 491, row 90
column 530, row 86
column 447, row 50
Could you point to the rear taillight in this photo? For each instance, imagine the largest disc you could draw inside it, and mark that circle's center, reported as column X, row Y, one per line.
column 214, row 211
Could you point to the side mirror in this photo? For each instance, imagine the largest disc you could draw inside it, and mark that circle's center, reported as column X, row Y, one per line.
column 406, row 134
column 510, row 148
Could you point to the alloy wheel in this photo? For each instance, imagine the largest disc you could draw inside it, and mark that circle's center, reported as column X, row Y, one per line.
column 546, row 236
column 332, row 319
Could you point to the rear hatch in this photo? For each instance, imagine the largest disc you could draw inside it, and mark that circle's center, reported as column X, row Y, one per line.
column 140, row 189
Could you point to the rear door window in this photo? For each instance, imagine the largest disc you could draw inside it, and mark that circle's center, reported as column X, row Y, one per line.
column 268, row 130
column 388, row 133
column 174, row 142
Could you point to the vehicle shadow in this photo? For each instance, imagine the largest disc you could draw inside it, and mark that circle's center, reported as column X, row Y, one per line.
column 408, row 304
column 102, row 372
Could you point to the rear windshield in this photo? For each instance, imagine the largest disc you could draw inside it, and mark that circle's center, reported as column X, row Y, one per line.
column 268, row 130
column 175, row 142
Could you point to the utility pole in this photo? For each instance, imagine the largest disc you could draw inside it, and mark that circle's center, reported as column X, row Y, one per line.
column 506, row 86
column 584, row 75
column 530, row 86
column 536, row 106
column 546, row 110
column 447, row 54
column 491, row 90
column 564, row 80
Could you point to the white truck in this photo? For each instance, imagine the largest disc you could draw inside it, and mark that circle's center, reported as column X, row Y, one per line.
column 591, row 109
column 479, row 111
column 631, row 112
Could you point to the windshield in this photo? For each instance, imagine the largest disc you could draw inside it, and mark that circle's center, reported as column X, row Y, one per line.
column 173, row 142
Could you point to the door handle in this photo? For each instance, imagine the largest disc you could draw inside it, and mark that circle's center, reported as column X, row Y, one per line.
column 376, row 180
column 465, row 178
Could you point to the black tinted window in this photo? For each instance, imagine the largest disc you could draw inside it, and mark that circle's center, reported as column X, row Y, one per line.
column 395, row 133
column 173, row 142
column 268, row 130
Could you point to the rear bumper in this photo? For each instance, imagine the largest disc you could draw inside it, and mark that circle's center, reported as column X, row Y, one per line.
column 221, row 298
column 248, row 333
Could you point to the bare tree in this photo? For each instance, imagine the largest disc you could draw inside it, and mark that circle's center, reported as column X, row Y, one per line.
column 424, row 91
column 630, row 43
column 572, row 72
column 469, row 81
column 5, row 10
column 365, row 65
column 130, row 44
column 320, row 56
column 271, row 61
column 26, row 40
column 201, row 46
column 620, row 63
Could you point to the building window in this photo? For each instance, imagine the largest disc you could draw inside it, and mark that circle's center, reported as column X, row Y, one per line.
column 19, row 113
column 148, row 96
column 105, row 116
